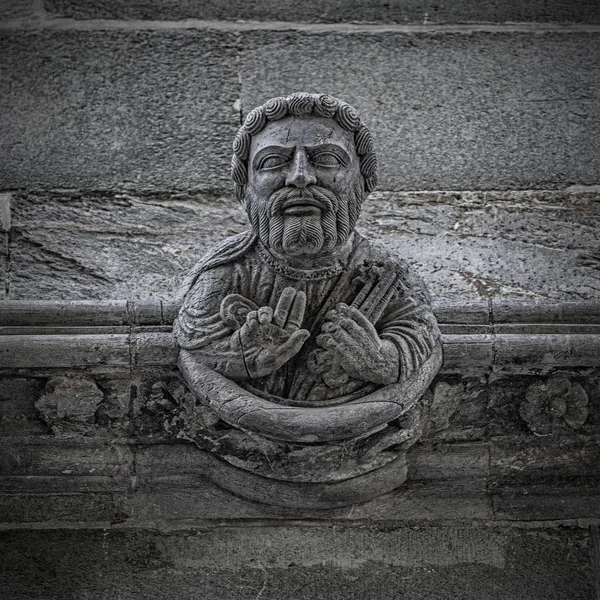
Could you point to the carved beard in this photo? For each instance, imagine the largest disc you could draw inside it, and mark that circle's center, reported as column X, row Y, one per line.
column 304, row 234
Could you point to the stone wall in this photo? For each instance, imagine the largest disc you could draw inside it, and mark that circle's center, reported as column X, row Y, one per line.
column 117, row 120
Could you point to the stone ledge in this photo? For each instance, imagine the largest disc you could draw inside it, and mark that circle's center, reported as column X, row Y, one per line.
column 126, row 334
column 504, row 480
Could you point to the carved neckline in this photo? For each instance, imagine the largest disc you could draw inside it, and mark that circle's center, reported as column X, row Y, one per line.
column 294, row 273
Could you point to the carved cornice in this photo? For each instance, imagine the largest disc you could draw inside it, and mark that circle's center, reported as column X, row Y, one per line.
column 121, row 334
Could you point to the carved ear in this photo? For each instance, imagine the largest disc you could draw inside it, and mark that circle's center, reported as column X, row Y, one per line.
column 234, row 309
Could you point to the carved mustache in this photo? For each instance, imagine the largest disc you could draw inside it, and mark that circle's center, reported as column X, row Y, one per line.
column 312, row 194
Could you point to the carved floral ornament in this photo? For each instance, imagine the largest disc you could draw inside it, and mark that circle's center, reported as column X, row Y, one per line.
column 553, row 403
column 302, row 336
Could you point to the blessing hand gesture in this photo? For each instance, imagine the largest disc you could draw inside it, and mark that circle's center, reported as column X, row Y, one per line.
column 268, row 339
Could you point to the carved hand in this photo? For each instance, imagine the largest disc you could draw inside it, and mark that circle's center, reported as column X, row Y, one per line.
column 269, row 339
column 356, row 345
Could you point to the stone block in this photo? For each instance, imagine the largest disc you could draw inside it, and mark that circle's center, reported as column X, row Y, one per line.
column 328, row 562
column 113, row 110
column 18, row 415
column 467, row 246
column 334, row 11
column 90, row 507
column 15, row 9
column 77, row 458
column 453, row 111
column 113, row 246
column 527, row 245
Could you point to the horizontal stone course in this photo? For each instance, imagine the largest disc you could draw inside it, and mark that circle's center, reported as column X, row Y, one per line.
column 468, row 246
column 16, row 9
column 334, row 11
column 299, row 562
column 99, row 110
column 157, row 110
column 482, row 111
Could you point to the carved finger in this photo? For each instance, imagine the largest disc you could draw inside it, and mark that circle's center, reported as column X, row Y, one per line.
column 329, row 327
column 345, row 339
column 325, row 340
column 296, row 315
column 332, row 315
column 265, row 315
column 352, row 327
column 292, row 345
column 252, row 320
column 283, row 306
column 361, row 320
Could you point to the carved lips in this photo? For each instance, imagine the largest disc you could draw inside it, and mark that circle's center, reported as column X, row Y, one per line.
column 303, row 205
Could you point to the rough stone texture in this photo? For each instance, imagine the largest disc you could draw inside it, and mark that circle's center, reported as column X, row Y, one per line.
column 453, row 111
column 103, row 246
column 17, row 411
column 15, row 9
column 299, row 563
column 479, row 111
column 467, row 246
column 102, row 110
column 4, row 245
column 394, row 11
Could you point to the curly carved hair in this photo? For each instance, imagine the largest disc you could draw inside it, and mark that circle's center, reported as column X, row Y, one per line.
column 302, row 104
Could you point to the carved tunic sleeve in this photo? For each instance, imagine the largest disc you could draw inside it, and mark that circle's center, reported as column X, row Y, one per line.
column 199, row 327
column 410, row 324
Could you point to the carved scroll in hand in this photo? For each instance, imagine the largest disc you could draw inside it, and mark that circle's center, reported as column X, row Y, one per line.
column 357, row 347
column 350, row 344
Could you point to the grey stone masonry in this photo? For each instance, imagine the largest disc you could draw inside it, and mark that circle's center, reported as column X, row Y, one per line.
column 541, row 245
column 16, row 9
column 113, row 109
column 299, row 563
column 336, row 11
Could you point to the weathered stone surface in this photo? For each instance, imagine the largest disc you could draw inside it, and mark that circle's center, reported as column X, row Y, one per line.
column 117, row 110
column 466, row 245
column 545, row 479
column 395, row 11
column 18, row 415
column 70, row 246
column 480, row 245
column 69, row 403
column 483, row 111
column 299, row 563
column 5, row 222
column 64, row 508
column 15, row 9
column 523, row 91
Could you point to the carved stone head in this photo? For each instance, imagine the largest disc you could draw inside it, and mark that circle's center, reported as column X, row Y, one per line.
column 303, row 165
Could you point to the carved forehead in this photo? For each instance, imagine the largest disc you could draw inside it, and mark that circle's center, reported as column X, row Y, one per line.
column 290, row 132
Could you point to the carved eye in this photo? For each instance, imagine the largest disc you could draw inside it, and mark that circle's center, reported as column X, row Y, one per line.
column 327, row 159
column 272, row 161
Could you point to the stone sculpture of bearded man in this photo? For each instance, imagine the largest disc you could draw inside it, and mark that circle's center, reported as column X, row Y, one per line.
column 279, row 308
column 303, row 314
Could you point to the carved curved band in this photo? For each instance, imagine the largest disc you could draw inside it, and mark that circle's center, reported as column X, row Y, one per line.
column 241, row 409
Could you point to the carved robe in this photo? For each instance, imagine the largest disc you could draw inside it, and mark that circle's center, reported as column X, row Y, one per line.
column 241, row 265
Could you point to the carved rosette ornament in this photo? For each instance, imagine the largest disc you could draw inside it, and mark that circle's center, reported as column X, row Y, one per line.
column 312, row 347
column 551, row 404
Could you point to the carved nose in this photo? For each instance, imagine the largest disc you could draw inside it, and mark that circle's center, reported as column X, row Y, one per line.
column 301, row 173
